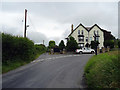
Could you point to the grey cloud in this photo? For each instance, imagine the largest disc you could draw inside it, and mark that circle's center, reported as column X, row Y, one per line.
column 103, row 14
column 12, row 30
column 56, row 39
column 37, row 37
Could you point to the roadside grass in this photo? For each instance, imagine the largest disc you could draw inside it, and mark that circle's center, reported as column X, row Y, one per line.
column 13, row 64
column 103, row 70
column 10, row 65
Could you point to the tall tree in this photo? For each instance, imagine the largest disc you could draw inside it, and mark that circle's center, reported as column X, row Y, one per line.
column 71, row 44
column 51, row 44
column 61, row 45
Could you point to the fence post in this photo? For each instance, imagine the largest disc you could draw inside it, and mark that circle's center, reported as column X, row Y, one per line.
column 63, row 51
column 52, row 52
column 103, row 49
column 98, row 50
column 108, row 48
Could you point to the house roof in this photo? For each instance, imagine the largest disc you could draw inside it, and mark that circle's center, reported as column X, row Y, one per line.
column 89, row 28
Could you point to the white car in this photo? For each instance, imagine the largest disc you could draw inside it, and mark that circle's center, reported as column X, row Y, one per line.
column 85, row 50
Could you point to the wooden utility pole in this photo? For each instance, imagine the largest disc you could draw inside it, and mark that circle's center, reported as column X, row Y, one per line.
column 25, row 23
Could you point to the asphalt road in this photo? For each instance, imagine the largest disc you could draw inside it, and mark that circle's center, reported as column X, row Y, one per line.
column 49, row 71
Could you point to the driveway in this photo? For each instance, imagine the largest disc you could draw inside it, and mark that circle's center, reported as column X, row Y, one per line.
column 49, row 71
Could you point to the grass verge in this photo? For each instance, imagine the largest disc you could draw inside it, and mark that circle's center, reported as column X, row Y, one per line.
column 103, row 70
column 11, row 65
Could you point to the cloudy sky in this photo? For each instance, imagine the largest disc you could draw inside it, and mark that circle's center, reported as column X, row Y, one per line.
column 52, row 20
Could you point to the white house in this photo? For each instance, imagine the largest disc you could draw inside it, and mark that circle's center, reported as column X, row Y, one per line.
column 84, row 35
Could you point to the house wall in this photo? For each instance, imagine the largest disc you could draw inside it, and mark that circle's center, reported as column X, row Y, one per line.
column 101, row 38
column 88, row 34
column 75, row 34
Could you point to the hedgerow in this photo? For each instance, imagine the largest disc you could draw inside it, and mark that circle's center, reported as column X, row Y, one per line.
column 18, row 50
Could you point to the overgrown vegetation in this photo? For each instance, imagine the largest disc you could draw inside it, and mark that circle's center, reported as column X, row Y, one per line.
column 103, row 70
column 17, row 51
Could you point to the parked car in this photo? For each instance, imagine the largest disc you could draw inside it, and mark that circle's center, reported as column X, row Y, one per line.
column 85, row 50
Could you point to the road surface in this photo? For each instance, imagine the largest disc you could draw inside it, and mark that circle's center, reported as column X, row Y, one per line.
column 49, row 71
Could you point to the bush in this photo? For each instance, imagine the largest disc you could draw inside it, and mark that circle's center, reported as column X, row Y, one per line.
column 40, row 49
column 14, row 47
column 56, row 49
column 109, row 43
column 61, row 45
column 17, row 51
column 71, row 44
column 102, row 71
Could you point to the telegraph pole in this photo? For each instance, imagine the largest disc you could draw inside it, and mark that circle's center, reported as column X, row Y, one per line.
column 25, row 23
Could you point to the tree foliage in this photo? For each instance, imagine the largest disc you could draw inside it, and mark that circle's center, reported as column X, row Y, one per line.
column 71, row 44
column 61, row 45
column 94, row 44
column 40, row 48
column 109, row 43
column 51, row 44
column 87, row 45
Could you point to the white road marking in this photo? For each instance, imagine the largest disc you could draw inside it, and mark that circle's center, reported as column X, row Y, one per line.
column 49, row 58
column 74, row 55
column 53, row 58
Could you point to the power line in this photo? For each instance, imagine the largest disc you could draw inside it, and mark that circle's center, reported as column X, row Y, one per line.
column 33, row 25
column 31, row 22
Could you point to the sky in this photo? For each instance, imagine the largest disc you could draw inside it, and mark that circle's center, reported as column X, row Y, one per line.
column 52, row 20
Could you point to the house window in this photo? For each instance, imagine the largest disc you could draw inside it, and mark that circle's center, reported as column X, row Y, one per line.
column 97, row 32
column 86, row 39
column 90, row 38
column 81, row 45
column 97, row 38
column 82, row 32
column 79, row 32
column 80, row 39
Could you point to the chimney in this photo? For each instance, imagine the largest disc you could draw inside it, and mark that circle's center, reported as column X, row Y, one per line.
column 72, row 28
